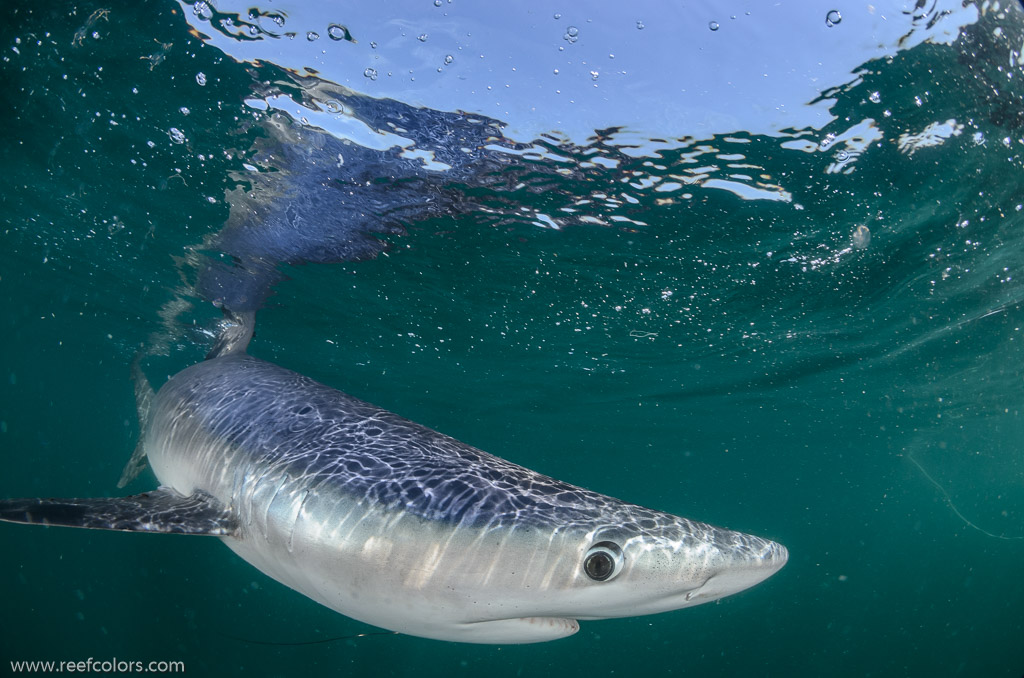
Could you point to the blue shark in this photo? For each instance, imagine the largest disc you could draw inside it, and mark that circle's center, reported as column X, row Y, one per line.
column 394, row 524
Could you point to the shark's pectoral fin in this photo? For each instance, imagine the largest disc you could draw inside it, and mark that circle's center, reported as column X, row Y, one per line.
column 518, row 630
column 162, row 510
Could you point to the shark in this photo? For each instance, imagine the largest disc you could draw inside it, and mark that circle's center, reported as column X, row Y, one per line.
column 394, row 524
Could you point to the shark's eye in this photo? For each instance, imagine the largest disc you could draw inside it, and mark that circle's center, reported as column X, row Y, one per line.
column 603, row 561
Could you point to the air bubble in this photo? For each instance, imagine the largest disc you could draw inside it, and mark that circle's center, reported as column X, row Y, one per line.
column 448, row 59
column 572, row 34
column 201, row 78
column 422, row 37
column 311, row 36
column 639, row 25
column 833, row 18
column 875, row 97
column 176, row 135
column 558, row 15
column 370, row 73
column 594, row 75
column 437, row 3
column 713, row 25
column 338, row 32
column 203, row 11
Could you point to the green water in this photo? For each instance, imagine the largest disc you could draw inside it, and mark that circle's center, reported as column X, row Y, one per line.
column 861, row 406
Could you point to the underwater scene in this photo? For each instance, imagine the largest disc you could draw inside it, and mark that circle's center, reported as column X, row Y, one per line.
column 758, row 266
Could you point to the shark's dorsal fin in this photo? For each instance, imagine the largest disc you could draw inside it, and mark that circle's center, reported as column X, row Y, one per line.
column 235, row 333
column 162, row 510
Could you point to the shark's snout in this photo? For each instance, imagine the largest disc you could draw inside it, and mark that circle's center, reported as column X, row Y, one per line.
column 742, row 570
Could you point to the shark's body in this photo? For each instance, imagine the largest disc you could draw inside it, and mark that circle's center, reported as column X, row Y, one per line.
column 397, row 525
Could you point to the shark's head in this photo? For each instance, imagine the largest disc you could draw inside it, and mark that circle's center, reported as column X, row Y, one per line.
column 665, row 564
column 529, row 581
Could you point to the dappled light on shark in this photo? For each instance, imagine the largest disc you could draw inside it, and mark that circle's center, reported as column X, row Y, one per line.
column 394, row 524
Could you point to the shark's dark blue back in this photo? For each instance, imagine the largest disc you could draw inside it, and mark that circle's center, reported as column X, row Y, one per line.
column 291, row 425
